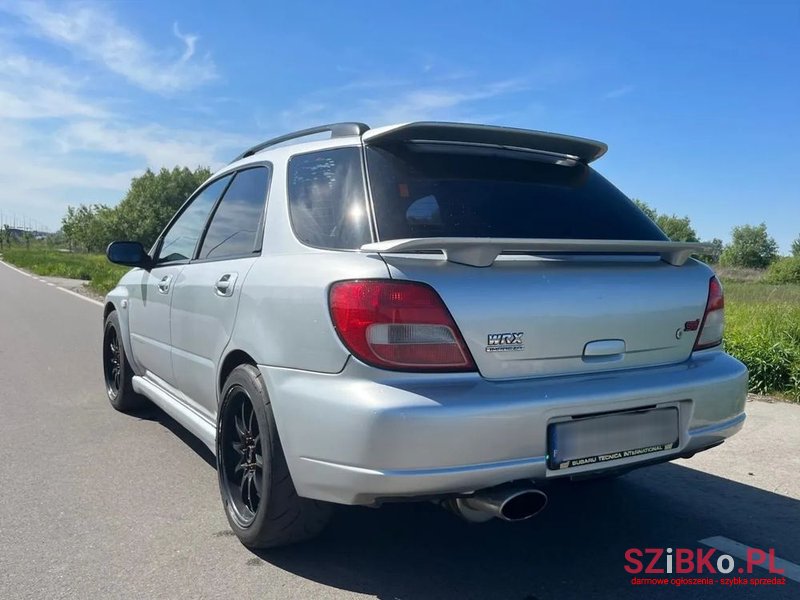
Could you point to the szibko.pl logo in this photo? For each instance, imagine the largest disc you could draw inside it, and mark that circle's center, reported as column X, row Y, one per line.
column 697, row 561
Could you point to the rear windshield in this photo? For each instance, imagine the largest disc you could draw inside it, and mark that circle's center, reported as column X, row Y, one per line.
column 421, row 190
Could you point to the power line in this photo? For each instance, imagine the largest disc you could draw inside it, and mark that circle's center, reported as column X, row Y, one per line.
column 21, row 222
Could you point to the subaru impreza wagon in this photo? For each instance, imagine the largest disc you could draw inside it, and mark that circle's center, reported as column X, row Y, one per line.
column 428, row 311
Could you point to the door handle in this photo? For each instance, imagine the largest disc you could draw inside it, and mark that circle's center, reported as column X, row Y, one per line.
column 225, row 284
column 163, row 284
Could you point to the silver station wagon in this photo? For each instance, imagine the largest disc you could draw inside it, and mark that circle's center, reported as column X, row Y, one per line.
column 427, row 311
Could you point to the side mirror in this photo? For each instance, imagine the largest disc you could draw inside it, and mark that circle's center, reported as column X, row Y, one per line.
column 130, row 254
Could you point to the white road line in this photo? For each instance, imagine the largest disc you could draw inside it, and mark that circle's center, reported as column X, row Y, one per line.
column 16, row 269
column 739, row 550
column 58, row 287
column 81, row 296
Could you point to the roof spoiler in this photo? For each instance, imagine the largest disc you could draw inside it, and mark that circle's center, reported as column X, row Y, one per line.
column 577, row 148
column 482, row 252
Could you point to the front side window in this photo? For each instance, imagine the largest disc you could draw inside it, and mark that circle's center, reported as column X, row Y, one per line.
column 181, row 238
column 326, row 199
column 234, row 227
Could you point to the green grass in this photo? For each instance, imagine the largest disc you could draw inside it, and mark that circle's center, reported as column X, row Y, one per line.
column 763, row 331
column 94, row 268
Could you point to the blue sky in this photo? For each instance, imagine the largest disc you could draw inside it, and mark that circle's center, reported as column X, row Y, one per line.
column 698, row 101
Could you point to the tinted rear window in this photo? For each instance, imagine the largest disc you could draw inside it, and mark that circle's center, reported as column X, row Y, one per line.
column 422, row 191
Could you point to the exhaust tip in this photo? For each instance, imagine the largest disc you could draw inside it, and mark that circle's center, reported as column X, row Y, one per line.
column 506, row 502
column 523, row 505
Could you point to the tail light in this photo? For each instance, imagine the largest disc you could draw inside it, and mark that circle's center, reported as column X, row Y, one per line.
column 713, row 324
column 398, row 325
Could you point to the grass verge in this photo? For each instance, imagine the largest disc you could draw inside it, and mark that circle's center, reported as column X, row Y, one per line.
column 94, row 268
column 763, row 331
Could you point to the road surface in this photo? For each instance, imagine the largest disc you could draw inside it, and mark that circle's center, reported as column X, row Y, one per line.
column 96, row 504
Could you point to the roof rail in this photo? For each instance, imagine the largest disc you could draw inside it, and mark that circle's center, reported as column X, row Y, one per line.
column 335, row 129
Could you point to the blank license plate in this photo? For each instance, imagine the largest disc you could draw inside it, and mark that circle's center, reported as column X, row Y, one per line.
column 607, row 438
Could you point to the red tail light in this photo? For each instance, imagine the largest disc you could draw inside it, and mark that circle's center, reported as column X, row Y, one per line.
column 398, row 325
column 713, row 323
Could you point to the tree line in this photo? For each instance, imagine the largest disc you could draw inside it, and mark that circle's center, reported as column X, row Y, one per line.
column 154, row 197
column 751, row 246
column 141, row 215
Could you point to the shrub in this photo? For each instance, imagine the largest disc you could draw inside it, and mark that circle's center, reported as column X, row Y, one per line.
column 751, row 246
column 774, row 366
column 785, row 270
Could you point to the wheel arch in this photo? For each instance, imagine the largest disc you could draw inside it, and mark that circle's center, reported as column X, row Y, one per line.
column 119, row 305
column 108, row 309
column 232, row 359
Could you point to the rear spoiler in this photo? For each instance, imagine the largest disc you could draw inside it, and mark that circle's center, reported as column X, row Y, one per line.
column 576, row 148
column 482, row 252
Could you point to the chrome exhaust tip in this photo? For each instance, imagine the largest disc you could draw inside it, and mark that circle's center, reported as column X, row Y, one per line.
column 506, row 503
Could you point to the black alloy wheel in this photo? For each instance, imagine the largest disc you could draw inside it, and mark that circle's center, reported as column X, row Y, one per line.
column 242, row 457
column 112, row 362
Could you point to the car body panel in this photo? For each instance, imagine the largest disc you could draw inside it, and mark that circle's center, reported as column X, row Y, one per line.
column 149, row 318
column 283, row 316
column 562, row 305
column 202, row 322
column 375, row 434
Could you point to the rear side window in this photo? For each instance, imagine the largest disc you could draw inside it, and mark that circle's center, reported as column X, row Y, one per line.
column 236, row 222
column 327, row 203
column 181, row 238
column 419, row 190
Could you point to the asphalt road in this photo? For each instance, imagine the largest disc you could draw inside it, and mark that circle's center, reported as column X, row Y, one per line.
column 96, row 504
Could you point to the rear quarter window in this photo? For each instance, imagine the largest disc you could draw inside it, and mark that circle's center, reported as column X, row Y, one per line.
column 327, row 203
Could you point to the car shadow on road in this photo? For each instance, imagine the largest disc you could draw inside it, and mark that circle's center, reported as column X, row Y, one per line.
column 574, row 549
column 151, row 412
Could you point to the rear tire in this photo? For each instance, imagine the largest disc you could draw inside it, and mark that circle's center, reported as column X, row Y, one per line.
column 258, row 494
column 117, row 371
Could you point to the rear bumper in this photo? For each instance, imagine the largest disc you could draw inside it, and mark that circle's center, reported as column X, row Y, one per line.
column 364, row 435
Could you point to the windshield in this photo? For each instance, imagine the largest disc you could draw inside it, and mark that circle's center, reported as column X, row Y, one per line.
column 423, row 190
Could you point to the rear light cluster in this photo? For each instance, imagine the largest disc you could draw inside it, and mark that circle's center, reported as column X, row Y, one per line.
column 713, row 324
column 398, row 325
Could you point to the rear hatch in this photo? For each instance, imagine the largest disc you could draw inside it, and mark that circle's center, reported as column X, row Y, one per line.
column 534, row 310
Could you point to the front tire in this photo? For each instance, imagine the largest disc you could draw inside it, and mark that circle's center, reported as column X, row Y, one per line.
column 258, row 494
column 117, row 371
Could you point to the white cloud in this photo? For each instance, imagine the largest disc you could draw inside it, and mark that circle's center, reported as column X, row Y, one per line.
column 438, row 102
column 64, row 138
column 32, row 89
column 155, row 145
column 94, row 34
column 16, row 65
column 382, row 101
column 93, row 161
column 189, row 40
column 619, row 92
column 34, row 102
column 39, row 181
